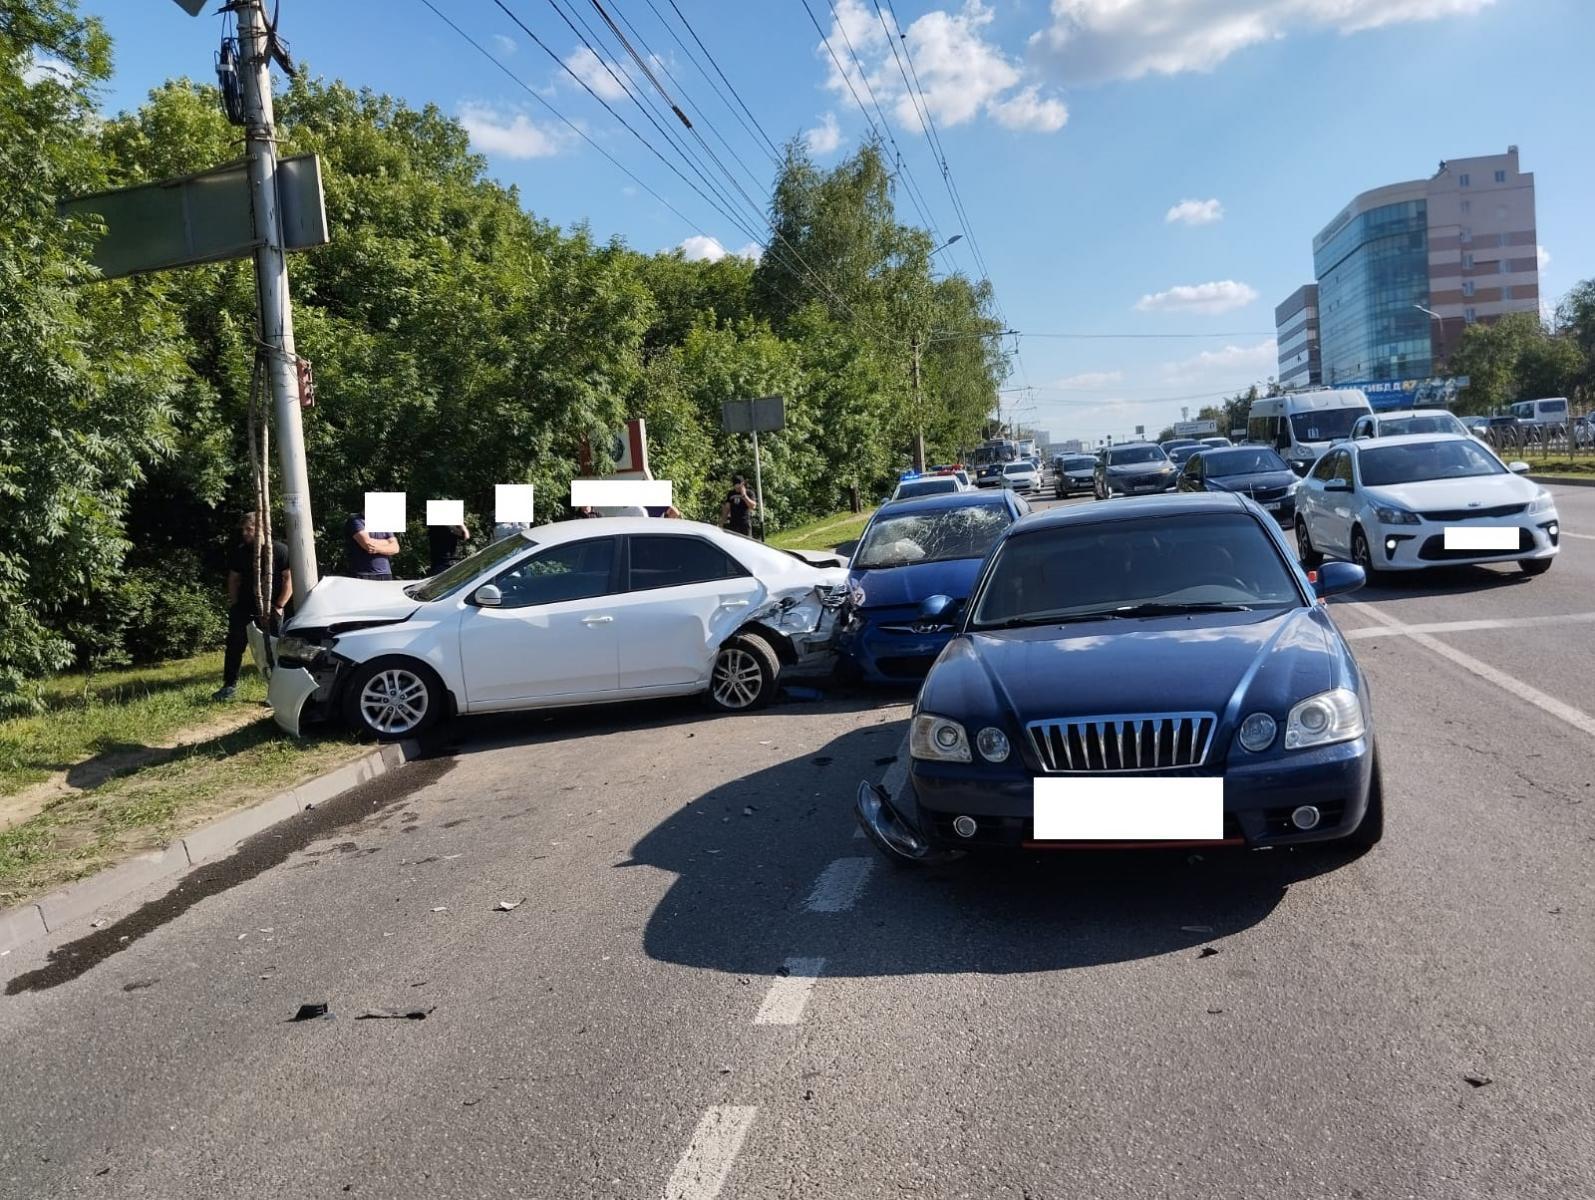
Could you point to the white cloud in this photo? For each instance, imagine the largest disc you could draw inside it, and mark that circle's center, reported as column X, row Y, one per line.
column 1195, row 212
column 514, row 135
column 753, row 252
column 1542, row 257
column 39, row 66
column 595, row 73
column 699, row 248
column 506, row 45
column 825, row 137
column 1238, row 364
column 1222, row 296
column 962, row 74
column 1089, row 41
column 1089, row 380
column 1029, row 109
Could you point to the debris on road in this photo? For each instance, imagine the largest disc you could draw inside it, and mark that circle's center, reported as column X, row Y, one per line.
column 138, row 985
column 1213, row 1012
column 395, row 1014
column 96, row 924
column 1478, row 1081
column 441, row 908
column 309, row 1012
column 1207, row 952
column 509, row 905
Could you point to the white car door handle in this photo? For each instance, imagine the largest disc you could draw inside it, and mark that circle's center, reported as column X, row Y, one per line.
column 597, row 620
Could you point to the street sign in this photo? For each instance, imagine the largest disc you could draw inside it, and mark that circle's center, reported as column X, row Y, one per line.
column 1194, row 428
column 764, row 415
column 199, row 218
column 628, row 450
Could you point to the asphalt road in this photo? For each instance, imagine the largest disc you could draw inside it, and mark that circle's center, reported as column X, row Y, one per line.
column 1051, row 1028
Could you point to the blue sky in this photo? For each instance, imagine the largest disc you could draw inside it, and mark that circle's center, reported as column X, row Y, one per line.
column 1072, row 129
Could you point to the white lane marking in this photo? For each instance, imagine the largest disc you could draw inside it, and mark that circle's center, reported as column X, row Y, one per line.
column 1577, row 718
column 789, row 993
column 839, row 885
column 703, row 1168
column 1583, row 537
column 1464, row 626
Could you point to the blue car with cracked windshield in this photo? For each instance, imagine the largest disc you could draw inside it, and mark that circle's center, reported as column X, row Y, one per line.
column 915, row 560
column 1151, row 673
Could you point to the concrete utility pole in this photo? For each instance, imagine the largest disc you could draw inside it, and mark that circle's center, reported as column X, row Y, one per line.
column 919, row 412
column 276, row 324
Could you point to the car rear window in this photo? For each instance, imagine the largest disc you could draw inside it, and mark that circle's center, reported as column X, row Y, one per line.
column 1085, row 569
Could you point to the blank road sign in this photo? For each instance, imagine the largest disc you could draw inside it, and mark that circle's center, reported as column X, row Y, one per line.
column 763, row 415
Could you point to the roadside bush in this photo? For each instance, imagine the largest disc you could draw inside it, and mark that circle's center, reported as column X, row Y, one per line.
column 170, row 611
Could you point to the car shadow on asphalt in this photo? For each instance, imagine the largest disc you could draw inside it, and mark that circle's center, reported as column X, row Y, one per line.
column 1440, row 581
column 740, row 899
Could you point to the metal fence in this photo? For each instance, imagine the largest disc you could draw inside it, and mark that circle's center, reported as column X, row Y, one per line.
column 1573, row 439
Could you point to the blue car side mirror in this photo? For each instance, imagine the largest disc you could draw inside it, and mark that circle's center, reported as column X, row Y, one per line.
column 1337, row 578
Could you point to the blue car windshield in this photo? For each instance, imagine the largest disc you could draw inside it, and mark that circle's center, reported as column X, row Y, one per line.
column 1195, row 560
column 945, row 533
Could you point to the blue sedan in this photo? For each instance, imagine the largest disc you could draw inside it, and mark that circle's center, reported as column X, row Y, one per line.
column 915, row 558
column 1149, row 673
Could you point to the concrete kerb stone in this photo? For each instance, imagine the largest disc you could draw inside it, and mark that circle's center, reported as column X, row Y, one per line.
column 49, row 914
column 1562, row 481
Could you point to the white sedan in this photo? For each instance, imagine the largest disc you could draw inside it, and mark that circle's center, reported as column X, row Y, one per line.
column 1021, row 476
column 1423, row 500
column 580, row 612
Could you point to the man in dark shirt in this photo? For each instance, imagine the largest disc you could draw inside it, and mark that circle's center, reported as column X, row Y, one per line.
column 447, row 543
column 243, row 597
column 737, row 512
column 369, row 552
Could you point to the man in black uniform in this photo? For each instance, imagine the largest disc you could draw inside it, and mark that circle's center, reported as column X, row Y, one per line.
column 243, row 603
column 736, row 514
column 447, row 544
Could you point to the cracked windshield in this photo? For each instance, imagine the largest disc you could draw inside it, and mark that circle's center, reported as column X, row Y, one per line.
column 708, row 600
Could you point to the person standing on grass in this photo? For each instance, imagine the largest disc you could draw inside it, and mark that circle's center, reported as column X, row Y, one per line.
column 243, row 597
column 736, row 514
column 369, row 553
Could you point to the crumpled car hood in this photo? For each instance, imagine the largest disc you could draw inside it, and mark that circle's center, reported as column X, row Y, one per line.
column 337, row 600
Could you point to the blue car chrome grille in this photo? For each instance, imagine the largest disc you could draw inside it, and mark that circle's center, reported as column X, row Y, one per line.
column 1135, row 742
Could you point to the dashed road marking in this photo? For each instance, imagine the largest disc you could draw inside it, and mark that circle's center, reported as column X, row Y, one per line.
column 707, row 1161
column 1575, row 717
column 839, row 885
column 789, row 993
column 1464, row 626
column 1583, row 537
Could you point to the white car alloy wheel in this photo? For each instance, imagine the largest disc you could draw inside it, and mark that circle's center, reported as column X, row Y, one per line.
column 744, row 674
column 392, row 700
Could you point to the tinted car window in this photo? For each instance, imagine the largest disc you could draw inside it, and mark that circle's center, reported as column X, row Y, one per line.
column 1324, row 424
column 1325, row 469
column 1076, row 570
column 1427, row 460
column 660, row 561
column 1023, row 468
column 574, row 571
column 1080, row 462
column 1429, row 423
column 1135, row 454
column 1248, row 461
column 947, row 533
column 468, row 568
column 925, row 487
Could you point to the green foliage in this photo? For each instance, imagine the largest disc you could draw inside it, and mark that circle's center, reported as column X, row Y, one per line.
column 458, row 342
column 1519, row 358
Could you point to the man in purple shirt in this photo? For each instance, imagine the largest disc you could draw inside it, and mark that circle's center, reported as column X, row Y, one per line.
column 368, row 551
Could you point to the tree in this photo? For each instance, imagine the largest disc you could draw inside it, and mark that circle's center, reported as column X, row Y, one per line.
column 1518, row 358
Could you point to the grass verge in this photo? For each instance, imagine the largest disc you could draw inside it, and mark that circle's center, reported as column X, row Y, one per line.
column 144, row 797
column 825, row 533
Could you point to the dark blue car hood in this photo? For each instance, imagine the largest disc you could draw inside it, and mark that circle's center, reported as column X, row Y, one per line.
column 1245, row 483
column 891, row 586
column 1221, row 663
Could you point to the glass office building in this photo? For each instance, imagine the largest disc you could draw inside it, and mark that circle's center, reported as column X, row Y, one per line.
column 1372, row 268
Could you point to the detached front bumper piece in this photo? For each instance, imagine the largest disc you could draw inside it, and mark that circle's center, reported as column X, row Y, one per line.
column 894, row 837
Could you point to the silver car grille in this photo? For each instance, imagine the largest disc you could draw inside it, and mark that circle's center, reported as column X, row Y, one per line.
column 1137, row 742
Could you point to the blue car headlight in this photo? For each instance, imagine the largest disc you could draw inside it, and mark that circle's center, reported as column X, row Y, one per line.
column 937, row 739
column 1321, row 720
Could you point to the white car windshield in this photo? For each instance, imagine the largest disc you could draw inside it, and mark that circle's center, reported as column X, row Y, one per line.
column 1426, row 423
column 1426, row 460
column 1204, row 560
column 1019, row 469
column 925, row 487
column 468, row 568
column 1325, row 424
column 946, row 533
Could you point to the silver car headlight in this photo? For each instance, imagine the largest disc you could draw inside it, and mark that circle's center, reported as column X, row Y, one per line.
column 1391, row 515
column 1322, row 720
column 937, row 739
column 299, row 650
column 1542, row 503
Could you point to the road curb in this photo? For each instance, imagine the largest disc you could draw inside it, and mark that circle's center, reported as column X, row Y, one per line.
column 1562, row 481
column 82, row 900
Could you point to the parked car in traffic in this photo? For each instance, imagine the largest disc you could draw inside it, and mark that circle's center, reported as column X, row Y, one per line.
column 991, row 475
column 1552, row 410
column 1424, row 500
column 911, row 551
column 1133, row 469
column 1149, row 673
column 1021, row 476
column 1217, row 441
column 927, row 485
column 1412, row 420
column 580, row 612
column 1074, row 473
column 1302, row 425
column 1254, row 471
column 1173, row 444
column 1181, row 455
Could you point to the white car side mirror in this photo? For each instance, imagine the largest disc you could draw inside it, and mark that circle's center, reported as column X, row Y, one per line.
column 487, row 596
column 1518, row 468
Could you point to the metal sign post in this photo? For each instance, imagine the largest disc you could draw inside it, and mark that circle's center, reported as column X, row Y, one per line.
column 750, row 416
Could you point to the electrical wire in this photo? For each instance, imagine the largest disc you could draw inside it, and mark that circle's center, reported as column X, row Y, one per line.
column 729, row 85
